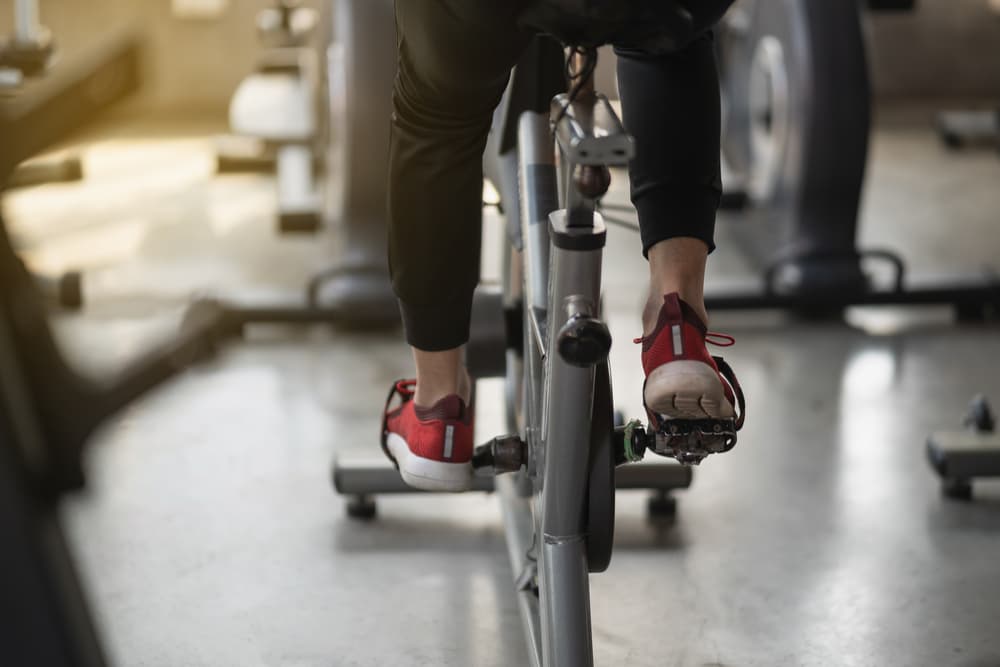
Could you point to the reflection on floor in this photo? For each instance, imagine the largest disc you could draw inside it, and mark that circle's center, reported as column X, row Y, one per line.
column 210, row 535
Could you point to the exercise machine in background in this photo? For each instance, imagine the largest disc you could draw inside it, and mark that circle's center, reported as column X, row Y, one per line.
column 47, row 411
column 25, row 55
column 797, row 126
column 317, row 110
column 277, row 111
column 959, row 129
column 36, row 88
column 47, row 414
column 797, row 121
column 960, row 457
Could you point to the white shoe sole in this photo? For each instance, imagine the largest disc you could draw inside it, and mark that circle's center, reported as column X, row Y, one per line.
column 687, row 390
column 427, row 474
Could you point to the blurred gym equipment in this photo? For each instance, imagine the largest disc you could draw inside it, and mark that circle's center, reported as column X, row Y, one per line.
column 797, row 120
column 35, row 92
column 47, row 411
column 329, row 110
column 959, row 129
column 26, row 54
column 278, row 108
column 959, row 457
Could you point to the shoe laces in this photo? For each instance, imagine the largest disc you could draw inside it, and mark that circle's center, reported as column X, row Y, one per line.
column 711, row 337
column 406, row 390
column 719, row 339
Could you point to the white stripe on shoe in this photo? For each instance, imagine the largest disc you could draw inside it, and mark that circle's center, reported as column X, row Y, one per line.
column 449, row 441
column 678, row 341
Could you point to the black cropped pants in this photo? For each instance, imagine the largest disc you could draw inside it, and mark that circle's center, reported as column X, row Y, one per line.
column 455, row 58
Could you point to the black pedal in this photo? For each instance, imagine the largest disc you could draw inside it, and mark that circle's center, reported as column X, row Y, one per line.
column 501, row 455
column 690, row 441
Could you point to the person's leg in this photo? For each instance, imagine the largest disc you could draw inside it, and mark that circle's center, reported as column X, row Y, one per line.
column 455, row 58
column 671, row 106
column 676, row 265
column 441, row 374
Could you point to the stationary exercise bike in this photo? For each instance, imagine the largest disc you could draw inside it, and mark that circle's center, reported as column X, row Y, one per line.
column 278, row 109
column 47, row 410
column 317, row 101
column 26, row 57
column 566, row 455
column 797, row 100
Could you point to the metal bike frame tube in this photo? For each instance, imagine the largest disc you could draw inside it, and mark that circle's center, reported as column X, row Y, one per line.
column 501, row 169
column 537, row 181
column 538, row 198
column 559, row 396
column 519, row 526
column 564, row 587
column 513, row 298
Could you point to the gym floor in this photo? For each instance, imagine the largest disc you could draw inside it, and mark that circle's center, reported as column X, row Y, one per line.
column 210, row 534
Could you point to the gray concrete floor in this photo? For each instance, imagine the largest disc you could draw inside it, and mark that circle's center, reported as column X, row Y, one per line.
column 210, row 534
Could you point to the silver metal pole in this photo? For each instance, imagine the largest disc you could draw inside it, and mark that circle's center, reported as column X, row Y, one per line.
column 539, row 197
column 569, row 392
column 27, row 27
column 520, row 529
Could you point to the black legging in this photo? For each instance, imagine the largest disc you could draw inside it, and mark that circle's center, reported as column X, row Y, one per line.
column 455, row 58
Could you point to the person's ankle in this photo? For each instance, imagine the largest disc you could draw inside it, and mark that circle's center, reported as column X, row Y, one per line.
column 465, row 385
column 428, row 394
column 430, row 391
column 440, row 374
column 651, row 312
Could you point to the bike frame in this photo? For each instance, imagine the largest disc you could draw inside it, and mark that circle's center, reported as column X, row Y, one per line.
column 559, row 507
column 554, row 271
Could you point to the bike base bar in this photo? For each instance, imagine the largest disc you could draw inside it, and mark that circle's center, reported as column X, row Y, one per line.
column 368, row 477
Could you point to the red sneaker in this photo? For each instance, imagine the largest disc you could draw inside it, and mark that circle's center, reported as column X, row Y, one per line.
column 431, row 447
column 684, row 381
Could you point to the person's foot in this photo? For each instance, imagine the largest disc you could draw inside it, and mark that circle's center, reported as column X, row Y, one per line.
column 432, row 447
column 683, row 380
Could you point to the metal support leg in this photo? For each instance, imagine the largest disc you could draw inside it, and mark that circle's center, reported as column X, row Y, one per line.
column 361, row 65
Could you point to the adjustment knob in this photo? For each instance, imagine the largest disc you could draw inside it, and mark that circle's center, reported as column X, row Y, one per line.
column 592, row 181
column 584, row 341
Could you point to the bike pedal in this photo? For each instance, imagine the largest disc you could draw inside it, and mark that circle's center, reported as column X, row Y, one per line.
column 500, row 455
column 691, row 441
